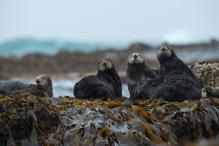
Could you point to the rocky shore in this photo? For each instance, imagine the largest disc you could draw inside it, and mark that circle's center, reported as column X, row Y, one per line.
column 65, row 62
column 66, row 121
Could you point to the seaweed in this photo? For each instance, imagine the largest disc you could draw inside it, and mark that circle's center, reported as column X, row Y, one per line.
column 71, row 121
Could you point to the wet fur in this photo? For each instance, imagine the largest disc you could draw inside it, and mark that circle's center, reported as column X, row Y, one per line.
column 12, row 88
column 7, row 87
column 139, row 80
column 178, row 82
column 105, row 84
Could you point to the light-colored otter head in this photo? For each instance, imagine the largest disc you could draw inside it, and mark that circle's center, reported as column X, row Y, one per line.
column 136, row 58
column 105, row 64
column 164, row 52
column 45, row 82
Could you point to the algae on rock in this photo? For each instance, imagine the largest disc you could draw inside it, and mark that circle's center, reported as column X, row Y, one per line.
column 68, row 121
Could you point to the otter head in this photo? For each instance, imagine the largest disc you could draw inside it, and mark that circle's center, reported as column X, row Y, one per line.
column 164, row 52
column 105, row 64
column 136, row 58
column 45, row 82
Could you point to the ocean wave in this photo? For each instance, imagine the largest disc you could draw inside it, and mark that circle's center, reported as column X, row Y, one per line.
column 19, row 47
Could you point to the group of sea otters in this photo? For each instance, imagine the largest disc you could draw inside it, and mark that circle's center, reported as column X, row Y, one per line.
column 173, row 81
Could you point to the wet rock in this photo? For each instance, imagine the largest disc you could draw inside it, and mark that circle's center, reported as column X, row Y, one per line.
column 67, row 121
column 47, row 121
column 20, row 116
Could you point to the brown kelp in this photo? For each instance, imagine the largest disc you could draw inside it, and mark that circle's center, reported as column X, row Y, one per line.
column 79, row 122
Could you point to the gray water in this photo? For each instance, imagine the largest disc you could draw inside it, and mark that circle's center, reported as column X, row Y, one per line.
column 64, row 87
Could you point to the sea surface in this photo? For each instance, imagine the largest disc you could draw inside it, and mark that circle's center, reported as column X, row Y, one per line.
column 20, row 47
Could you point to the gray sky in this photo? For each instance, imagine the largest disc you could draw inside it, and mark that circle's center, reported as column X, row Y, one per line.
column 110, row 20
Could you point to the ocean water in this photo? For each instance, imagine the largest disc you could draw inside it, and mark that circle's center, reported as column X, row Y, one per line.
column 64, row 87
column 19, row 47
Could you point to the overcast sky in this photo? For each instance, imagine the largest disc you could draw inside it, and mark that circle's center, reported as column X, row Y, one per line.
column 110, row 20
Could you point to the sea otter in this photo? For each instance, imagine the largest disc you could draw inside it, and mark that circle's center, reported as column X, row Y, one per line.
column 105, row 84
column 139, row 77
column 177, row 81
column 44, row 82
column 43, row 87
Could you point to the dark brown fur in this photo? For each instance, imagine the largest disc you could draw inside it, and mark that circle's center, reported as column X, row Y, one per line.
column 105, row 84
column 178, row 82
column 139, row 78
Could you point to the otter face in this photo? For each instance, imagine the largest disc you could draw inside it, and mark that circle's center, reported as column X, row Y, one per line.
column 136, row 58
column 43, row 80
column 105, row 64
column 164, row 51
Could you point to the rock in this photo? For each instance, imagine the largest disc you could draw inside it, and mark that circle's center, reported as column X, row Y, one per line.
column 208, row 73
column 19, row 116
column 68, row 121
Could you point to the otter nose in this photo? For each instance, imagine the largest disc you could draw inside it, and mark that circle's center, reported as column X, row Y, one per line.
column 135, row 56
column 37, row 81
column 163, row 49
column 104, row 63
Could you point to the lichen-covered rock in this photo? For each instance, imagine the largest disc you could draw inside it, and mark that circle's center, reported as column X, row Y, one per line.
column 208, row 73
column 66, row 121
